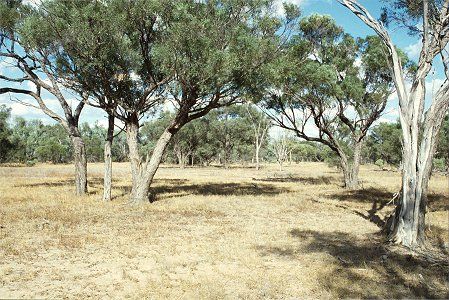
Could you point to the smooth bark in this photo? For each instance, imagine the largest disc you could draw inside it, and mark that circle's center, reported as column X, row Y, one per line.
column 420, row 128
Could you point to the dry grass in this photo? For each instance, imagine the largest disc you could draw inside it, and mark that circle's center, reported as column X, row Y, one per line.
column 211, row 233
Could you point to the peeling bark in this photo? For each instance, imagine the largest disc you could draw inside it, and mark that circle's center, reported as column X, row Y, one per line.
column 420, row 128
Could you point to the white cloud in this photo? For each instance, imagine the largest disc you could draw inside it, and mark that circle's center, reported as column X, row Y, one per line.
column 279, row 7
column 18, row 109
column 413, row 50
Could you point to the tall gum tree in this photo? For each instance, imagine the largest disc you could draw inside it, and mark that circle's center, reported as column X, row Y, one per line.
column 214, row 49
column 32, row 74
column 330, row 88
column 420, row 126
column 107, row 50
column 260, row 124
column 194, row 55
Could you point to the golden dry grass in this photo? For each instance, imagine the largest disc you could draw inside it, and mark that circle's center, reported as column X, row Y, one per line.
column 211, row 233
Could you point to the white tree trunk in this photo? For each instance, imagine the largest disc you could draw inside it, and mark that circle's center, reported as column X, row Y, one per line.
column 257, row 157
column 419, row 129
column 407, row 225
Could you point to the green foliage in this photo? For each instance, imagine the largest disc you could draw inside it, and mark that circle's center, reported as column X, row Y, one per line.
column 380, row 163
column 5, row 132
column 224, row 135
column 385, row 143
column 53, row 145
column 439, row 164
column 330, row 80
column 331, row 159
column 94, row 138
column 409, row 13
column 31, row 163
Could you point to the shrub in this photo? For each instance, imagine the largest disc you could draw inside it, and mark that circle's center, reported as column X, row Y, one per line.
column 380, row 163
column 439, row 164
column 31, row 163
column 333, row 161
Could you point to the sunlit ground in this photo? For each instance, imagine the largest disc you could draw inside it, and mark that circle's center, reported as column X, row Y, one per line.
column 212, row 233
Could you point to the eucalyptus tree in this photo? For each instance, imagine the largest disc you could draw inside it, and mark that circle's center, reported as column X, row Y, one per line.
column 232, row 130
column 442, row 151
column 6, row 145
column 132, row 56
column 260, row 125
column 32, row 74
column 106, row 49
column 385, row 143
column 420, row 122
column 215, row 50
column 330, row 88
column 282, row 147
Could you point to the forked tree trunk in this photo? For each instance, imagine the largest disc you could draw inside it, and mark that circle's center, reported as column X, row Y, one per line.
column 107, row 185
column 181, row 158
column 80, row 160
column 419, row 137
column 407, row 225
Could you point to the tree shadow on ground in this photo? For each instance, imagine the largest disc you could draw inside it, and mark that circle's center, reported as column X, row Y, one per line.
column 92, row 182
column 305, row 180
column 367, row 195
column 379, row 199
column 171, row 188
column 219, row 189
column 364, row 268
column 438, row 202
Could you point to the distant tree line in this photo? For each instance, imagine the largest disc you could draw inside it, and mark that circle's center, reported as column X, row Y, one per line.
column 224, row 136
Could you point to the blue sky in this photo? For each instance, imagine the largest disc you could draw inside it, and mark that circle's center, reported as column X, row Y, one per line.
column 343, row 17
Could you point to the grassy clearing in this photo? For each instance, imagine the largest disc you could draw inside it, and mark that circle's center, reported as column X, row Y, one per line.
column 212, row 233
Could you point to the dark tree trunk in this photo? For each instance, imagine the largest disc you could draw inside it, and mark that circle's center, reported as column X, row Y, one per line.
column 147, row 171
column 107, row 185
column 80, row 160
column 132, row 131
